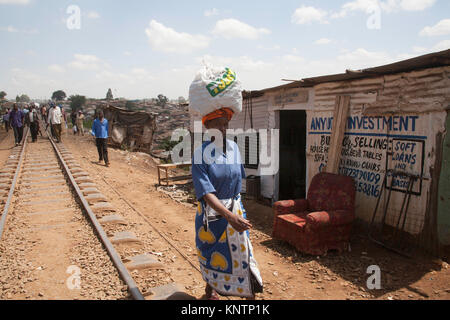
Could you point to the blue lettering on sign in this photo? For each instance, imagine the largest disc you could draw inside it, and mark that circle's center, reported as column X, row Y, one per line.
column 322, row 123
column 391, row 123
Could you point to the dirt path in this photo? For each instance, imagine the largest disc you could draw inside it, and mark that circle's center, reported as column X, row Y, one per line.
column 287, row 274
column 6, row 145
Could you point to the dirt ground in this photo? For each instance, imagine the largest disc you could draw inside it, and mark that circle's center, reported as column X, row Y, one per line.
column 287, row 274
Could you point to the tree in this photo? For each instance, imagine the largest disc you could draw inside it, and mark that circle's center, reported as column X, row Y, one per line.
column 77, row 102
column 59, row 95
column 167, row 144
column 23, row 98
column 162, row 100
column 181, row 100
column 109, row 95
column 2, row 95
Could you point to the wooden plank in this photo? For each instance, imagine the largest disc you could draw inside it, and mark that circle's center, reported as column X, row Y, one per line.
column 337, row 137
column 159, row 177
column 174, row 165
column 179, row 178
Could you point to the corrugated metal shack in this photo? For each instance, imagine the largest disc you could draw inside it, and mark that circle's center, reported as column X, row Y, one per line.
column 398, row 120
column 133, row 130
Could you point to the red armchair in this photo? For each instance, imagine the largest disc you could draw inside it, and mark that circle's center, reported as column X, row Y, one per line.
column 323, row 221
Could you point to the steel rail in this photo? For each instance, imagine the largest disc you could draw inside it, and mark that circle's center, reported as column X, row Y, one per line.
column 123, row 271
column 151, row 225
column 13, row 185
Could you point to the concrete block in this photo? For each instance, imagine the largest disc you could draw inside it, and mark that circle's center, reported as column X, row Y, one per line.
column 124, row 237
column 5, row 186
column 171, row 291
column 94, row 198
column 143, row 261
column 42, row 178
column 113, row 219
column 90, row 190
column 80, row 174
column 102, row 207
column 87, row 185
column 73, row 165
column 52, row 182
column 83, row 180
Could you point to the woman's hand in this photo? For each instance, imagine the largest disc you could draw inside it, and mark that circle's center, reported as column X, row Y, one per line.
column 237, row 222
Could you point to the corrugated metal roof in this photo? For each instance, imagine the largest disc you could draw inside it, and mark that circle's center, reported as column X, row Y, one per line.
column 432, row 60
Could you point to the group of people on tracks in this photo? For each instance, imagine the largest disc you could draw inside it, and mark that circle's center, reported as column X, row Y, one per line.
column 54, row 117
column 16, row 119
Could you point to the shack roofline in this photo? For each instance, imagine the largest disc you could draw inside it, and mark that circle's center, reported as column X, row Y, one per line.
column 432, row 60
column 128, row 111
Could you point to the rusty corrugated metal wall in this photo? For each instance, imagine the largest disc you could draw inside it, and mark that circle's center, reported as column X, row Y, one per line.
column 394, row 123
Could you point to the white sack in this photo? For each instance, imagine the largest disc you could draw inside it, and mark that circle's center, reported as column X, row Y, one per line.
column 214, row 89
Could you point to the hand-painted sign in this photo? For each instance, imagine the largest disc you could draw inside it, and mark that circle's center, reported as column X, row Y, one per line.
column 371, row 147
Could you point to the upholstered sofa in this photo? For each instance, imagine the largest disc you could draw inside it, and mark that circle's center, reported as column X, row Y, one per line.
column 321, row 222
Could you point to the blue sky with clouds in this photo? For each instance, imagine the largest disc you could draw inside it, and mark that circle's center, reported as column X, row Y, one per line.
column 143, row 48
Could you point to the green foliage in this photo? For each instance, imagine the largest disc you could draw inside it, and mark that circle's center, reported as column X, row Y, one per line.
column 59, row 95
column 3, row 94
column 168, row 145
column 166, row 161
column 88, row 123
column 162, row 100
column 181, row 100
column 23, row 98
column 109, row 95
column 77, row 102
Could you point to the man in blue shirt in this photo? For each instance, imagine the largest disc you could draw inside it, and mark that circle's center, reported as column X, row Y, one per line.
column 100, row 129
column 6, row 120
column 16, row 119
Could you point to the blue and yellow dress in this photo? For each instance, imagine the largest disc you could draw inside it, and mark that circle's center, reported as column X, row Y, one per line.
column 226, row 256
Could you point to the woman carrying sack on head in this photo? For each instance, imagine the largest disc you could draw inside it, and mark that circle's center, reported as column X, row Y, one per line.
column 224, row 249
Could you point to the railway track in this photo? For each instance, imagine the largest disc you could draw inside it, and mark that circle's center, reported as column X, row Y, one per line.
column 53, row 243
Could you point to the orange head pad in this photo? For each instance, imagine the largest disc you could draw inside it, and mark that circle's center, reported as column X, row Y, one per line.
column 224, row 112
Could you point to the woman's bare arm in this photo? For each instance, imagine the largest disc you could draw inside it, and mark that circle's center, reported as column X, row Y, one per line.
column 236, row 221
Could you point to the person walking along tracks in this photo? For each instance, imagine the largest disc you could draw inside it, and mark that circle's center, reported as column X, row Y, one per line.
column 32, row 121
column 16, row 119
column 54, row 119
column 6, row 120
column 100, row 129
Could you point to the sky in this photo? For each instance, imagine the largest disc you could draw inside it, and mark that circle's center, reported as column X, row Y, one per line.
column 141, row 49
